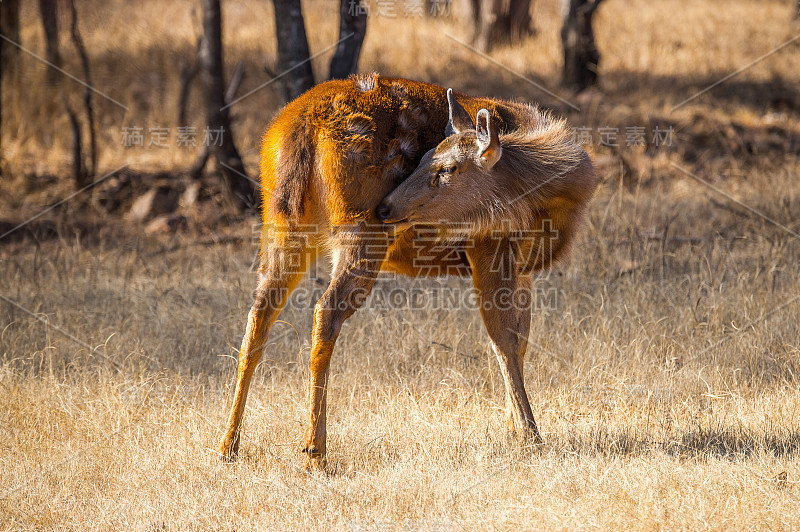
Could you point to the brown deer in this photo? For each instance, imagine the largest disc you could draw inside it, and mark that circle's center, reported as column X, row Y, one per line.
column 331, row 157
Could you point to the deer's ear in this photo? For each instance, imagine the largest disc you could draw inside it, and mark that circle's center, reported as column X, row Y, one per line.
column 489, row 149
column 459, row 118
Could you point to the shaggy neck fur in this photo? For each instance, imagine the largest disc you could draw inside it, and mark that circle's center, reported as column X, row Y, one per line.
column 538, row 165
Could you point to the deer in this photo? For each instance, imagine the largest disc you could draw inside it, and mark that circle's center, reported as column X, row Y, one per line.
column 360, row 169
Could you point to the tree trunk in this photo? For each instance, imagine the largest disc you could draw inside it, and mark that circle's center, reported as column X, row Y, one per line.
column 9, row 28
column 581, row 56
column 501, row 21
column 294, row 65
column 352, row 29
column 79, row 173
column 520, row 23
column 48, row 10
column 9, row 54
column 77, row 40
column 219, row 137
column 476, row 16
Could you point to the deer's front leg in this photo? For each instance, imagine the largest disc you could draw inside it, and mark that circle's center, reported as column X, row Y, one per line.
column 357, row 265
column 504, row 299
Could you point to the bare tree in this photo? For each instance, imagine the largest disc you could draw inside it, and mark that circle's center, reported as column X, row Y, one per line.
column 9, row 53
column 497, row 21
column 220, row 141
column 79, row 173
column 9, row 28
column 48, row 10
column 77, row 40
column 352, row 29
column 294, row 64
column 581, row 56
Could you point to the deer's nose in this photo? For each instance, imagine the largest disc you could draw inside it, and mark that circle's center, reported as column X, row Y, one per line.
column 383, row 211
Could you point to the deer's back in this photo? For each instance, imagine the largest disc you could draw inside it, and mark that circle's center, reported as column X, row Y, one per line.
column 333, row 153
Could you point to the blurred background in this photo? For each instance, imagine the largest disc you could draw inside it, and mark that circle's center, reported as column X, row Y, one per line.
column 643, row 83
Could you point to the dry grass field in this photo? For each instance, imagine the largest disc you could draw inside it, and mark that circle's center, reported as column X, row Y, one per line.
column 664, row 366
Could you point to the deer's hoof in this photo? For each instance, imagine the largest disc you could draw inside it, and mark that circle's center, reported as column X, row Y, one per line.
column 228, row 449
column 315, row 458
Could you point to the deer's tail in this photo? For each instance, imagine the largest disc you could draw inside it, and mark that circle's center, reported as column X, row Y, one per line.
column 287, row 161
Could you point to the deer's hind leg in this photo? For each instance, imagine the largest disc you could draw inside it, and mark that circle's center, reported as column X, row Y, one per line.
column 285, row 258
column 358, row 255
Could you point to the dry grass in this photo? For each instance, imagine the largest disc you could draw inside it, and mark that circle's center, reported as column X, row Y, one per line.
column 665, row 382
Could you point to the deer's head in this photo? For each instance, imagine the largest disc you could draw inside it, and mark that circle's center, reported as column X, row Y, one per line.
column 451, row 179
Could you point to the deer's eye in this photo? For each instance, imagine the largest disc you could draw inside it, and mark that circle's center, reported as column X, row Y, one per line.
column 448, row 170
column 443, row 175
